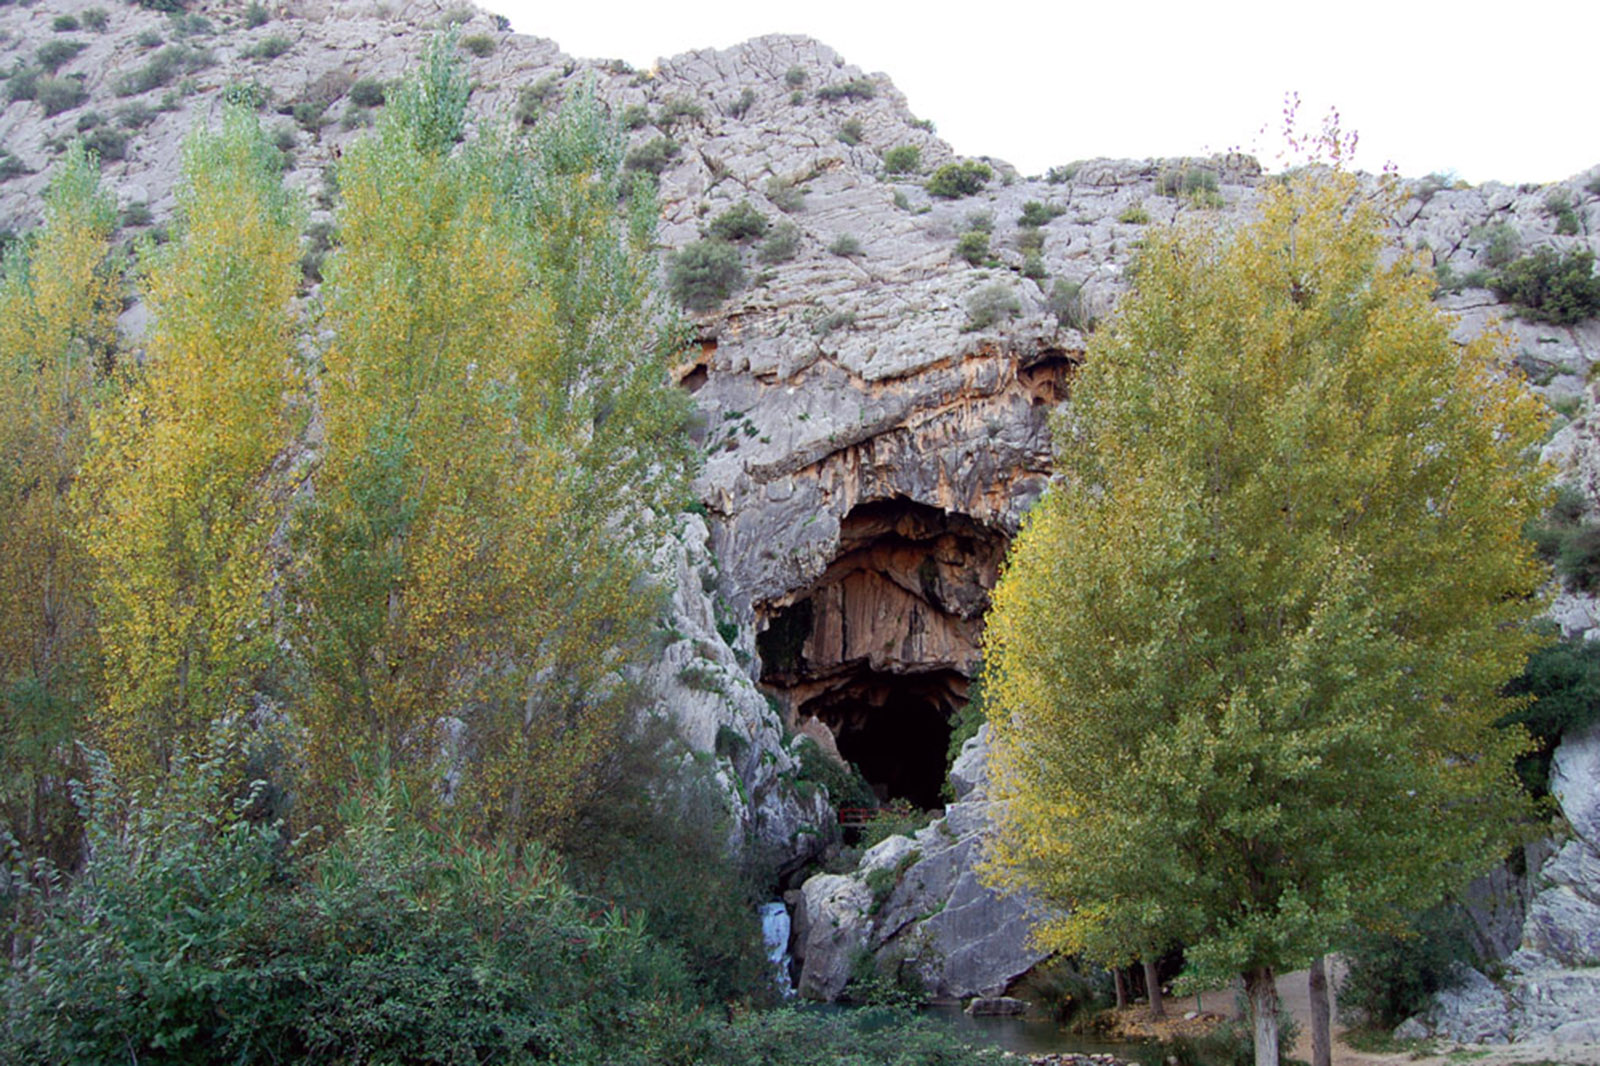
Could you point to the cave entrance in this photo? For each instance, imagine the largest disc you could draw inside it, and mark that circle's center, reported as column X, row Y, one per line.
column 880, row 648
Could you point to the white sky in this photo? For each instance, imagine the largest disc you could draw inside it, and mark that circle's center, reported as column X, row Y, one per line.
column 1492, row 92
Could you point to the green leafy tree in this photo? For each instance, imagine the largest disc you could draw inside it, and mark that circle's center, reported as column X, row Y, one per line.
column 58, row 302
column 500, row 436
column 1248, row 651
column 178, row 487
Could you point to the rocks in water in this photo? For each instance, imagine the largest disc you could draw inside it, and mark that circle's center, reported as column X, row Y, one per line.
column 996, row 1007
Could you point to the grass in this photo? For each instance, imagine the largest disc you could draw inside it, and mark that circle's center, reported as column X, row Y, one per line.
column 1372, row 1041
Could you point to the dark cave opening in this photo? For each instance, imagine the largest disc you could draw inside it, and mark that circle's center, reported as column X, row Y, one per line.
column 896, row 729
column 880, row 648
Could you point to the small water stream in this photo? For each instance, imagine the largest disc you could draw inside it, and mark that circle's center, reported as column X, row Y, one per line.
column 1027, row 1036
column 775, row 934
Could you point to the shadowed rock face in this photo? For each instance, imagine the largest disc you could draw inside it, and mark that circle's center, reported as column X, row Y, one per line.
column 881, row 646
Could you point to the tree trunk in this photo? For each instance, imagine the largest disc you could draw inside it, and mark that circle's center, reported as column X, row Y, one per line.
column 1122, row 986
column 1152, row 987
column 1261, row 986
column 1321, row 1032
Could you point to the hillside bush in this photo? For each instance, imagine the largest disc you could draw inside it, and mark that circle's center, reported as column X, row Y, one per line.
column 56, row 95
column 785, row 194
column 64, row 24
column 652, row 157
column 845, row 245
column 162, row 69
column 744, row 103
column 902, row 159
column 1066, row 303
column 955, row 180
column 1548, row 286
column 854, row 89
column 269, row 47
column 851, row 132
column 1498, row 244
column 990, row 305
column 781, row 244
column 481, row 45
column 96, row 19
column 256, row 15
column 845, row 785
column 367, row 92
column 53, row 55
column 1036, row 214
column 704, row 273
column 738, row 222
column 973, row 246
column 794, row 77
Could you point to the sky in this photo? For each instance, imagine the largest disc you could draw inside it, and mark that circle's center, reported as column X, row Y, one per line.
column 1480, row 92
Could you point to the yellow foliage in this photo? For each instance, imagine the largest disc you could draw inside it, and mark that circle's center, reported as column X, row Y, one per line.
column 1248, row 652
column 178, row 493
column 58, row 303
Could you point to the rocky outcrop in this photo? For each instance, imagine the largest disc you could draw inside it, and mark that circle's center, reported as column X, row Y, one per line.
column 1551, row 987
column 917, row 905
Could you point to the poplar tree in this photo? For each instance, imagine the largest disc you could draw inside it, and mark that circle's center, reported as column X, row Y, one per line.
column 58, row 304
column 178, row 487
column 1248, row 650
column 499, row 433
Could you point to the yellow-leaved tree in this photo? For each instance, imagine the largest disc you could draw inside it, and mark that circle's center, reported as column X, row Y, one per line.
column 1247, row 652
column 58, row 307
column 497, row 430
column 178, row 488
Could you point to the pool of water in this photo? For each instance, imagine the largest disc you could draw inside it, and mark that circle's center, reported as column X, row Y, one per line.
column 1028, row 1036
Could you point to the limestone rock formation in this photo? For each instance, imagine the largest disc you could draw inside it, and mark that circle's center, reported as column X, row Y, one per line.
column 916, row 904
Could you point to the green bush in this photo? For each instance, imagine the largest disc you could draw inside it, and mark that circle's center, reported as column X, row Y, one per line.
column 1392, row 977
column 851, row 132
column 196, row 934
column 794, row 77
column 973, row 246
column 635, row 116
column 1035, row 214
column 677, row 108
column 1062, row 175
column 481, row 45
column 739, row 222
column 854, row 89
column 96, row 19
column 1548, row 286
column 652, row 157
column 53, row 55
column 255, row 15
column 877, row 1035
column 1066, row 989
column 833, row 320
column 784, row 194
column 367, row 92
column 1065, row 302
column 162, row 69
column 135, row 116
column 1134, row 215
column 846, row 245
column 902, row 159
column 56, row 95
column 704, row 273
column 990, row 305
column 781, row 245
column 1497, row 244
column 11, row 167
column 955, row 180
column 744, row 103
column 64, row 24
column 148, row 39
column 270, row 47
column 1558, row 205
column 136, row 214
column 23, row 84
column 108, row 143
column 899, row 818
column 1564, row 679
column 533, row 100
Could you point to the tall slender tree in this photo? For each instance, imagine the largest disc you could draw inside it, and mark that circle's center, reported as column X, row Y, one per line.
column 58, row 304
column 498, row 428
column 178, row 488
column 1248, row 652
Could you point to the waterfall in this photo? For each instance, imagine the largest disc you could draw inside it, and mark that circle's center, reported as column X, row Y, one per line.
column 775, row 932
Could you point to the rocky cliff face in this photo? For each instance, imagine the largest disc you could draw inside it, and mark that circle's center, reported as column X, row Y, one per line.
column 875, row 395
